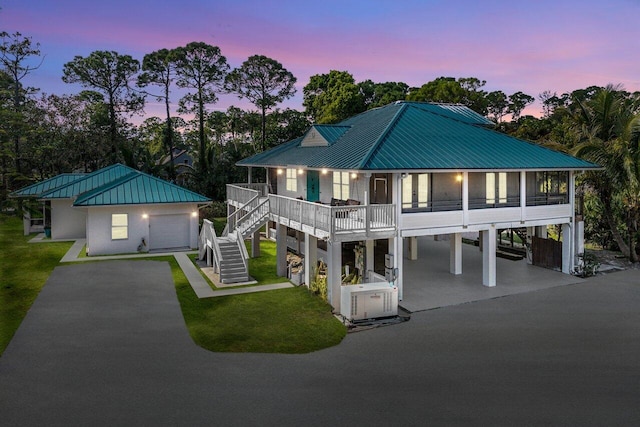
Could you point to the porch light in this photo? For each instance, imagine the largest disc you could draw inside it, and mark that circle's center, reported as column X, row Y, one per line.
column 459, row 177
column 354, row 175
column 279, row 171
column 194, row 214
column 300, row 171
column 145, row 216
column 324, row 171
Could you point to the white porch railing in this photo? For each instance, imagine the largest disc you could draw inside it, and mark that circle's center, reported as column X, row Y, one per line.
column 321, row 220
column 243, row 193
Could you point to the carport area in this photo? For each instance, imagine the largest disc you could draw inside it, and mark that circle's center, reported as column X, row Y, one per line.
column 428, row 284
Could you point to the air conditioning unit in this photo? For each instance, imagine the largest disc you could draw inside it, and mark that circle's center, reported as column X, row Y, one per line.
column 369, row 301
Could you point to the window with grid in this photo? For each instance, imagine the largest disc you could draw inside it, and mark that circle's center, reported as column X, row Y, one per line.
column 292, row 180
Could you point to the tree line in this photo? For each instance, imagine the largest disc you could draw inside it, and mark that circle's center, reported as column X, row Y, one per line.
column 42, row 135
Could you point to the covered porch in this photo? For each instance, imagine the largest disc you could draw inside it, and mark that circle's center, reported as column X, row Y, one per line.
column 428, row 283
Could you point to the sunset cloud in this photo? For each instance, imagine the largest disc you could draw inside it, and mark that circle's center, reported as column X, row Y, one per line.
column 527, row 46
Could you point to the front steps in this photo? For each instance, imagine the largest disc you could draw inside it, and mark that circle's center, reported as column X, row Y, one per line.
column 232, row 265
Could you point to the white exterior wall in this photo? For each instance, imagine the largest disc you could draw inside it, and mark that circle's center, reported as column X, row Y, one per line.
column 99, row 240
column 67, row 222
column 357, row 186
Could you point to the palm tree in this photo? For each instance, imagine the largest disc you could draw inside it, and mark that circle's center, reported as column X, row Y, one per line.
column 607, row 126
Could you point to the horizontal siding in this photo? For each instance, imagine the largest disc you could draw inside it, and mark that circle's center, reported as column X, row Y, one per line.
column 431, row 220
column 494, row 215
column 535, row 213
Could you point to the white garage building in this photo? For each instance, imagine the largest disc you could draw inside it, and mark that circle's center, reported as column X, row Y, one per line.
column 120, row 210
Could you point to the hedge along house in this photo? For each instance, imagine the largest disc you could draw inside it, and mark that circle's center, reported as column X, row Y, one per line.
column 119, row 210
column 401, row 171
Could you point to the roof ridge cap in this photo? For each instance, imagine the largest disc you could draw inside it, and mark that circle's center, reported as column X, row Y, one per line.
column 403, row 107
column 106, row 187
column 449, row 117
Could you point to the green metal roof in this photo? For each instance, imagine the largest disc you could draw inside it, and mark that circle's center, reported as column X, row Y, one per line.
column 138, row 188
column 413, row 136
column 89, row 182
column 35, row 190
column 114, row 185
column 331, row 132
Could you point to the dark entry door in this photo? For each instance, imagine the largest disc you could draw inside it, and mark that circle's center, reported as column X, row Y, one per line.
column 380, row 190
column 313, row 186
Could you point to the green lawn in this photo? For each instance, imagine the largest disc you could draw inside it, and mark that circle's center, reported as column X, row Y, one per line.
column 280, row 321
column 24, row 269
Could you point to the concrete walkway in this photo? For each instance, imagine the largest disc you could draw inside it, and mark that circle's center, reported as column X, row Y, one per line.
column 199, row 284
column 106, row 344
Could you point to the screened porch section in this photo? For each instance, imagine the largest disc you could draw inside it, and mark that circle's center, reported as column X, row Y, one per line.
column 438, row 192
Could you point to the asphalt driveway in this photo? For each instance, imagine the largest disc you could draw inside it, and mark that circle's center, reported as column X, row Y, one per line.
column 105, row 344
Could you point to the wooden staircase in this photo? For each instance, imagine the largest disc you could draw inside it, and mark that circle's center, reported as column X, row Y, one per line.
column 227, row 253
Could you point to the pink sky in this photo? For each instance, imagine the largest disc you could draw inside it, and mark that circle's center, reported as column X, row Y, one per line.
column 558, row 45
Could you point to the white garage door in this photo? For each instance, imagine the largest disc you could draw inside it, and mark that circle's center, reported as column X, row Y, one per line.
column 168, row 231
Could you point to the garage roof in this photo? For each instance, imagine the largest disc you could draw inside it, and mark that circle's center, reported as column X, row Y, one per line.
column 35, row 190
column 138, row 188
column 114, row 185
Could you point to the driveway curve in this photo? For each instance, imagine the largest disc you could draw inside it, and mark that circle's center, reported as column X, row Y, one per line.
column 105, row 344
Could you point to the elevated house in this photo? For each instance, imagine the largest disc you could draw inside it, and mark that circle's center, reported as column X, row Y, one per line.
column 379, row 180
column 182, row 162
column 119, row 210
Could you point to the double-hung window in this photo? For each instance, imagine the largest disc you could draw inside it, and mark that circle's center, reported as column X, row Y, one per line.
column 341, row 185
column 292, row 180
column 119, row 226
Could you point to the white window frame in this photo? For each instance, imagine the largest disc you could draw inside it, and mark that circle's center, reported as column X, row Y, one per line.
column 496, row 190
column 415, row 191
column 292, row 180
column 341, row 185
column 119, row 226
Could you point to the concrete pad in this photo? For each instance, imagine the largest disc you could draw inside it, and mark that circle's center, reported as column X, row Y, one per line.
column 74, row 251
column 198, row 283
column 428, row 284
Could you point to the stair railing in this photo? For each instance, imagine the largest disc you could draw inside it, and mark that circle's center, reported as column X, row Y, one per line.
column 208, row 238
column 243, row 251
column 232, row 220
column 253, row 217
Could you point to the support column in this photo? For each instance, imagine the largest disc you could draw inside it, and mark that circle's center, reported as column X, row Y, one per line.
column 398, row 260
column 567, row 246
column 465, row 199
column 541, row 231
column 369, row 262
column 579, row 236
column 310, row 257
column 255, row 244
column 455, row 254
column 489, row 256
column 334, row 274
column 281, row 250
column 531, row 231
column 413, row 248
column 523, row 196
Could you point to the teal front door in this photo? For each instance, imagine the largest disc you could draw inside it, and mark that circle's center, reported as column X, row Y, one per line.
column 313, row 186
